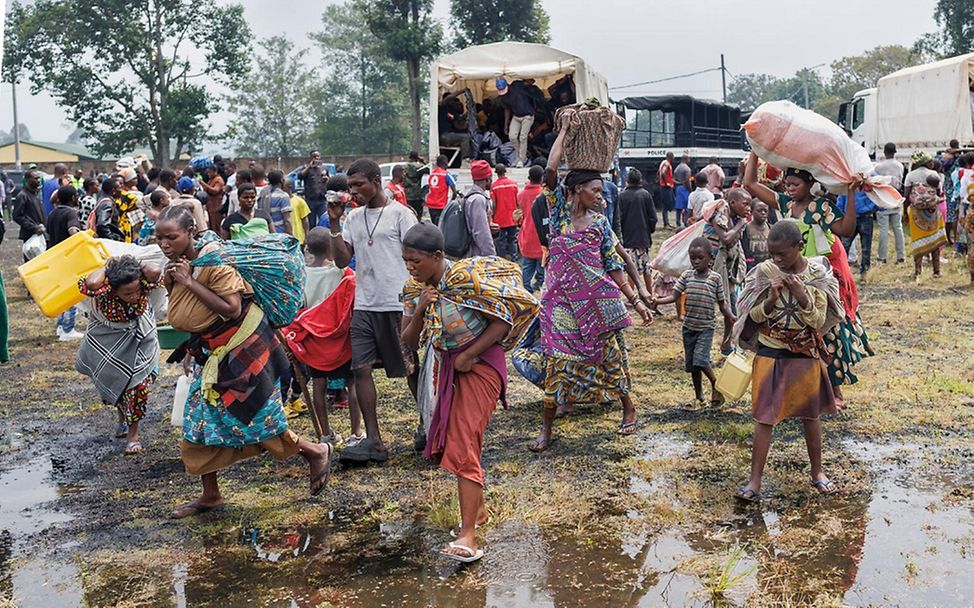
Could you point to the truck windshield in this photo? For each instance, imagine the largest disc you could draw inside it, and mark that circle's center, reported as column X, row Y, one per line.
column 858, row 112
column 649, row 128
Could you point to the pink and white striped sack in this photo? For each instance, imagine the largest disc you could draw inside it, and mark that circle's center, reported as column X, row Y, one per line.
column 785, row 135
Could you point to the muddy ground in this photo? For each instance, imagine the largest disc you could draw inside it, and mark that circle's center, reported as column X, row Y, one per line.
column 598, row 520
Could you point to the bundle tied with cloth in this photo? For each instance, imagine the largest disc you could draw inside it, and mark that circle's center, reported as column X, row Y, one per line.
column 785, row 135
column 592, row 136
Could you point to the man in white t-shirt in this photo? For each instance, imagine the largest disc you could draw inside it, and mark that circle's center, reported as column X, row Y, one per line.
column 890, row 218
column 373, row 233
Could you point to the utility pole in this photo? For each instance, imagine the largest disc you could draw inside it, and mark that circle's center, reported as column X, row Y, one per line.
column 723, row 77
column 13, row 92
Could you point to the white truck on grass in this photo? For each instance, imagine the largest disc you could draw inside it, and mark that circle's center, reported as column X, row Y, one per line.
column 923, row 107
column 478, row 67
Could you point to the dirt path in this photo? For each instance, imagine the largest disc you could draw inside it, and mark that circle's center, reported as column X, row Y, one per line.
column 598, row 520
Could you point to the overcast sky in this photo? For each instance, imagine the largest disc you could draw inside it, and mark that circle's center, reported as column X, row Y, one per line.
column 630, row 41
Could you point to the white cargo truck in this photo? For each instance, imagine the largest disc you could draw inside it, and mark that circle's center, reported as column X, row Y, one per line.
column 918, row 108
column 478, row 67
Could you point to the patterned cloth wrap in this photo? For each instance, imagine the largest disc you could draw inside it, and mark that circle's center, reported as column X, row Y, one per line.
column 491, row 285
column 593, row 136
column 272, row 264
column 235, row 397
column 581, row 303
column 757, row 284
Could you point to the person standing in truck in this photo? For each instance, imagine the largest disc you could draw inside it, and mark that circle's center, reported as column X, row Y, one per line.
column 519, row 115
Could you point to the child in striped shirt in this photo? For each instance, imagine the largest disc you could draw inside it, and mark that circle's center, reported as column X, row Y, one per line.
column 704, row 290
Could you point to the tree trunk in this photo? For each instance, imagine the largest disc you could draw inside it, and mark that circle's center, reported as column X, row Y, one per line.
column 412, row 70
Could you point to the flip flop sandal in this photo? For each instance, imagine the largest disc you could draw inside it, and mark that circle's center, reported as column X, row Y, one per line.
column 455, row 530
column 133, row 448
column 323, row 475
column 191, row 509
column 121, row 430
column 718, row 401
column 748, row 495
column 627, row 428
column 825, row 487
column 537, row 449
column 340, row 405
column 471, row 556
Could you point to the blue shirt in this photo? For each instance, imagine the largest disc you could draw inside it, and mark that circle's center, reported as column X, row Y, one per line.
column 279, row 205
column 47, row 190
column 863, row 204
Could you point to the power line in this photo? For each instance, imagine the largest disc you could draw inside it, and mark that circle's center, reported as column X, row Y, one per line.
column 639, row 84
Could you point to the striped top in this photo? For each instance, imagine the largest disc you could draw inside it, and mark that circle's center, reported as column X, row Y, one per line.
column 703, row 294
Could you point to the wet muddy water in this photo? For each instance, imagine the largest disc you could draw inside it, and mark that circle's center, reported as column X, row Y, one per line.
column 902, row 541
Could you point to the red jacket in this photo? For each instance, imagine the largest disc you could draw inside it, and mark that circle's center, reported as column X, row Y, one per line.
column 527, row 236
column 504, row 194
column 319, row 336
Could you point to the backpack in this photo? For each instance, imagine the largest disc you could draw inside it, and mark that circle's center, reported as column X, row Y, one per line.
column 453, row 225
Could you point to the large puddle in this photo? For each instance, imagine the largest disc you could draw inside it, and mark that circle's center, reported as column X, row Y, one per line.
column 903, row 541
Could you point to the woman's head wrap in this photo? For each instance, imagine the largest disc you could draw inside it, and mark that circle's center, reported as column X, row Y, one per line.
column 578, row 177
column 423, row 237
column 921, row 158
column 801, row 174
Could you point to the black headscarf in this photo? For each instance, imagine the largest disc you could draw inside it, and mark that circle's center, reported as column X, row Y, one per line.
column 423, row 237
column 578, row 177
column 801, row 174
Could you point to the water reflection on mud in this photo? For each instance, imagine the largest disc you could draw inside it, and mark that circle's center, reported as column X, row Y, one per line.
column 902, row 540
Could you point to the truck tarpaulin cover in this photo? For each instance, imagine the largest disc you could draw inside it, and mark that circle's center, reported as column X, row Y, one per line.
column 477, row 67
column 785, row 136
column 926, row 106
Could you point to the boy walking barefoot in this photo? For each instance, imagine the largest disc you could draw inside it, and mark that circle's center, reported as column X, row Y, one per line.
column 704, row 290
column 789, row 302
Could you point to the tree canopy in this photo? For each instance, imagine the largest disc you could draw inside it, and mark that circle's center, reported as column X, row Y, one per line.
column 275, row 110
column 955, row 36
column 497, row 20
column 130, row 72
column 849, row 74
column 407, row 33
column 362, row 106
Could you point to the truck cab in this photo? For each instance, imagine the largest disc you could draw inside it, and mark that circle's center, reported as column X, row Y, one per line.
column 858, row 117
column 680, row 124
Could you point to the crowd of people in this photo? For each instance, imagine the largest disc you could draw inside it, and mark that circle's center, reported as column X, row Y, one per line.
column 427, row 288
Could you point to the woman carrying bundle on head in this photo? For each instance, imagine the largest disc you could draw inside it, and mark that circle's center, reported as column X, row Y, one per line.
column 470, row 311
column 120, row 350
column 820, row 222
column 583, row 313
column 234, row 409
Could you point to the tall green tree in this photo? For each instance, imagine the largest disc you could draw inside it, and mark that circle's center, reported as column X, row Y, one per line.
column 275, row 108
column 410, row 35
column 496, row 20
column 857, row 72
column 748, row 91
column 955, row 36
column 131, row 72
column 362, row 106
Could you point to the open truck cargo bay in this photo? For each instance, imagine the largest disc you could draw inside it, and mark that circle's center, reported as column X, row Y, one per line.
column 478, row 67
column 926, row 106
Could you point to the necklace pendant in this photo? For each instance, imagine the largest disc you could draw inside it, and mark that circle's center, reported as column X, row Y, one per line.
column 370, row 242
